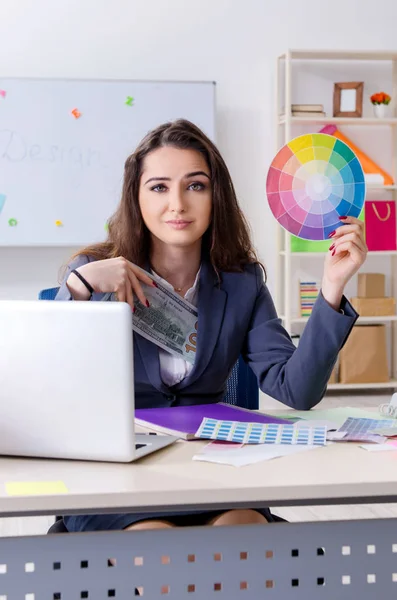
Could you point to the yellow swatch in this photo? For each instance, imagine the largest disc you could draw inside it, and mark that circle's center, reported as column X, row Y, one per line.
column 301, row 142
column 305, row 155
column 323, row 139
column 35, row 488
column 321, row 153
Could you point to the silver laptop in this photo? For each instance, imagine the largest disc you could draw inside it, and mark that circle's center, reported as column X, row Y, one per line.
column 67, row 382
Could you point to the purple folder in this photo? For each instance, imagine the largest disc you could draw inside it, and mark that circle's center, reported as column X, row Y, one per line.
column 183, row 421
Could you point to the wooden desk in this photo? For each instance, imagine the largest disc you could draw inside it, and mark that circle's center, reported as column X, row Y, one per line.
column 278, row 561
column 171, row 480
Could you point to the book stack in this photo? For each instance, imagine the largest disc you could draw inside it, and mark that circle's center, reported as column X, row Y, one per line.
column 307, row 110
column 308, row 291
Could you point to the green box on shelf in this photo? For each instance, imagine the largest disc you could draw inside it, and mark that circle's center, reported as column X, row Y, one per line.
column 299, row 245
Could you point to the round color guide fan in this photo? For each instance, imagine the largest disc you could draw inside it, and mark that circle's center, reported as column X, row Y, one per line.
column 312, row 181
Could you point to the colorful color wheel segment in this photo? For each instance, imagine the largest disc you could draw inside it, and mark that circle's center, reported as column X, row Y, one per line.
column 312, row 181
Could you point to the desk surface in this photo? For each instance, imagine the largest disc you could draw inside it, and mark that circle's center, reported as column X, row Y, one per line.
column 170, row 480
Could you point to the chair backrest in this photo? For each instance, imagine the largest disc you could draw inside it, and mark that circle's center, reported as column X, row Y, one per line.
column 242, row 387
column 48, row 294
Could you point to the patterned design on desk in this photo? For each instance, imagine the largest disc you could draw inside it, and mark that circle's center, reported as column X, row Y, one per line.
column 256, row 433
column 364, row 430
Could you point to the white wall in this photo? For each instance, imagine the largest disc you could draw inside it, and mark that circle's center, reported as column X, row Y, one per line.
column 232, row 42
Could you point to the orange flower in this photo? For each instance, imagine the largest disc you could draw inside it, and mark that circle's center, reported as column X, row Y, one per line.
column 380, row 98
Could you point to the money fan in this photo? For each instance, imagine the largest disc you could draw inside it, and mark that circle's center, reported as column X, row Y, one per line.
column 312, row 181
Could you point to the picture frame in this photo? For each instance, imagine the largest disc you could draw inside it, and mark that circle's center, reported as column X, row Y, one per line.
column 348, row 99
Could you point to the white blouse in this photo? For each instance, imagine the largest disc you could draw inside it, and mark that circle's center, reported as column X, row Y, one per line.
column 172, row 368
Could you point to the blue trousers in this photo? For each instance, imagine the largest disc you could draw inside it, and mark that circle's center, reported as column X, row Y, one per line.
column 121, row 521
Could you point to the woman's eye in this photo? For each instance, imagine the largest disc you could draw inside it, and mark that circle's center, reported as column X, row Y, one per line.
column 159, row 188
column 196, row 187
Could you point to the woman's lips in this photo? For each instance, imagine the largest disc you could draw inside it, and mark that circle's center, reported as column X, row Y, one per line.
column 178, row 224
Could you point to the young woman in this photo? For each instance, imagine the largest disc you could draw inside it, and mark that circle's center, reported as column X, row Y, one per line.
column 179, row 218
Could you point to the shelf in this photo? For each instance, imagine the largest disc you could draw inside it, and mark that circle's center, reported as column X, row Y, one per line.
column 386, row 319
column 363, row 121
column 341, row 55
column 326, row 63
column 362, row 386
column 322, row 254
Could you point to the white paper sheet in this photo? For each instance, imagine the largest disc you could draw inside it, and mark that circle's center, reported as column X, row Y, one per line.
column 240, row 456
column 378, row 447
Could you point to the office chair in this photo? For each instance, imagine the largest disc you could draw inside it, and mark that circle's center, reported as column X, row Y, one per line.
column 48, row 293
column 242, row 390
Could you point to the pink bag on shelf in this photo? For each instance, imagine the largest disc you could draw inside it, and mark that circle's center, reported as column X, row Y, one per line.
column 380, row 225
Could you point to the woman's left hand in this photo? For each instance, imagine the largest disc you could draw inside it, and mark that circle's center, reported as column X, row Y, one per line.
column 347, row 253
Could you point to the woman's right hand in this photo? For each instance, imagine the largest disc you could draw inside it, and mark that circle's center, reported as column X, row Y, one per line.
column 111, row 275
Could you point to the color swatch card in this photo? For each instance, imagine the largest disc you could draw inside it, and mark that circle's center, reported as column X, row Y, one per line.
column 389, row 432
column 363, row 430
column 256, row 433
column 312, row 181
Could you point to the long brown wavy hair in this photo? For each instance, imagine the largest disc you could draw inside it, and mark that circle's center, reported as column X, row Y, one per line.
column 226, row 243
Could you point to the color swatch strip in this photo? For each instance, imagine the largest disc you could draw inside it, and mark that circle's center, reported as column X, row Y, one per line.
column 257, row 433
column 365, row 429
column 353, row 424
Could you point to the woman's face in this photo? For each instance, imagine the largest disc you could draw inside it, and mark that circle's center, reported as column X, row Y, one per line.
column 175, row 195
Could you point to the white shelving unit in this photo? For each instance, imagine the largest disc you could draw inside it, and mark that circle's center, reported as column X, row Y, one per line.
column 338, row 121
column 286, row 260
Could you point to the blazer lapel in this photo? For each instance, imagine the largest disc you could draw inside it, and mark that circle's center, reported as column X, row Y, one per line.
column 211, row 308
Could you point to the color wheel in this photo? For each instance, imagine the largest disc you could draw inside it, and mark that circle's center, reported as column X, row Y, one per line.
column 312, row 181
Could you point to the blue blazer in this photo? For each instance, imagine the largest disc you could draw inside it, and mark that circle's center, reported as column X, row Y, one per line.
column 237, row 316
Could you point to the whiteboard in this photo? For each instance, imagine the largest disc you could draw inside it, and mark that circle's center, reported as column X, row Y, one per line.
column 61, row 176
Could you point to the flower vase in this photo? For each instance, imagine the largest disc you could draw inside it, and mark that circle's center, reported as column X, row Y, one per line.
column 380, row 111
